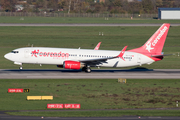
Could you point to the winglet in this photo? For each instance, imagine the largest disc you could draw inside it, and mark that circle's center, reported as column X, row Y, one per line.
column 97, row 46
column 122, row 53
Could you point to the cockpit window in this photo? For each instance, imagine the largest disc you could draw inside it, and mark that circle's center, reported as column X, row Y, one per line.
column 14, row 51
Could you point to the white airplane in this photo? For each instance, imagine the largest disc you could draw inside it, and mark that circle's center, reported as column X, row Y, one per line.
column 83, row 59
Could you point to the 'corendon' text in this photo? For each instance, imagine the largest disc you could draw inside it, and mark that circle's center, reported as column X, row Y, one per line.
column 49, row 54
column 159, row 36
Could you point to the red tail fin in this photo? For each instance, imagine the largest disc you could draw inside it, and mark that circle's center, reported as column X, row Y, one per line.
column 155, row 44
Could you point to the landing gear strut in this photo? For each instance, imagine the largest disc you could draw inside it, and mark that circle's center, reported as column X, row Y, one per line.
column 86, row 69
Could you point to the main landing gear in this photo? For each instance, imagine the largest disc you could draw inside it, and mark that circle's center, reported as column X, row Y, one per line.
column 86, row 69
column 21, row 68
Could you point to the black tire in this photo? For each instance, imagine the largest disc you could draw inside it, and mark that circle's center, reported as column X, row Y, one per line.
column 84, row 69
column 88, row 70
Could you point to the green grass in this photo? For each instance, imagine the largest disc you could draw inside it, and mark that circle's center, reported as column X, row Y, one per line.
column 115, row 38
column 4, row 19
column 100, row 113
column 91, row 93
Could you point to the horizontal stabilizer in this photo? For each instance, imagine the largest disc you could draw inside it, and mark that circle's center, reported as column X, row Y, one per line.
column 161, row 55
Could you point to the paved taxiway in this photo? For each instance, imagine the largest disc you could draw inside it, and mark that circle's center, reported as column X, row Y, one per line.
column 95, row 74
column 7, row 117
column 56, row 24
column 4, row 116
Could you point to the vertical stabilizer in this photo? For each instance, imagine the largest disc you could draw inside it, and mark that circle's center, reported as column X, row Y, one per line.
column 155, row 44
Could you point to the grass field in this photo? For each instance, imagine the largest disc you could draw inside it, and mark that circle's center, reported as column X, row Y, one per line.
column 4, row 19
column 92, row 94
column 115, row 38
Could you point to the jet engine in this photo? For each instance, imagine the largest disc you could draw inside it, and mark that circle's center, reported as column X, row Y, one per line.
column 72, row 65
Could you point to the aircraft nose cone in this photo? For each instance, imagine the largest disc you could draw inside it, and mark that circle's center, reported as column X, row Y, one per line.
column 7, row 56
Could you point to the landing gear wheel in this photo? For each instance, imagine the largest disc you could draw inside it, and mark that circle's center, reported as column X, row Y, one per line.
column 21, row 68
column 84, row 69
column 88, row 70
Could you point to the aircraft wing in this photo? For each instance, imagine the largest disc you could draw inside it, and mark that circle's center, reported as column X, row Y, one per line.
column 103, row 60
column 96, row 61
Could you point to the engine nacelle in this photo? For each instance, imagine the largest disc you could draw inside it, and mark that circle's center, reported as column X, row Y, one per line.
column 72, row 65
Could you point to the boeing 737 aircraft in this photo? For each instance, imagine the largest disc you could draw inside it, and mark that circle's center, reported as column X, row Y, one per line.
column 83, row 59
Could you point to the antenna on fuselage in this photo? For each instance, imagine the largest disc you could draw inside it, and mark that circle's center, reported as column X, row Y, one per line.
column 32, row 45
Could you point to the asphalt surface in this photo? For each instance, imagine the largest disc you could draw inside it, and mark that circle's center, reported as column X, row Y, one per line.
column 95, row 74
column 46, row 24
column 7, row 117
column 4, row 116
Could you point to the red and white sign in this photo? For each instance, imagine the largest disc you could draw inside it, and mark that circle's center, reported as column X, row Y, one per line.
column 72, row 106
column 14, row 90
column 54, row 105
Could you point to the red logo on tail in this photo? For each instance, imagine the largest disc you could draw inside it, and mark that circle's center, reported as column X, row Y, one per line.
column 148, row 44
